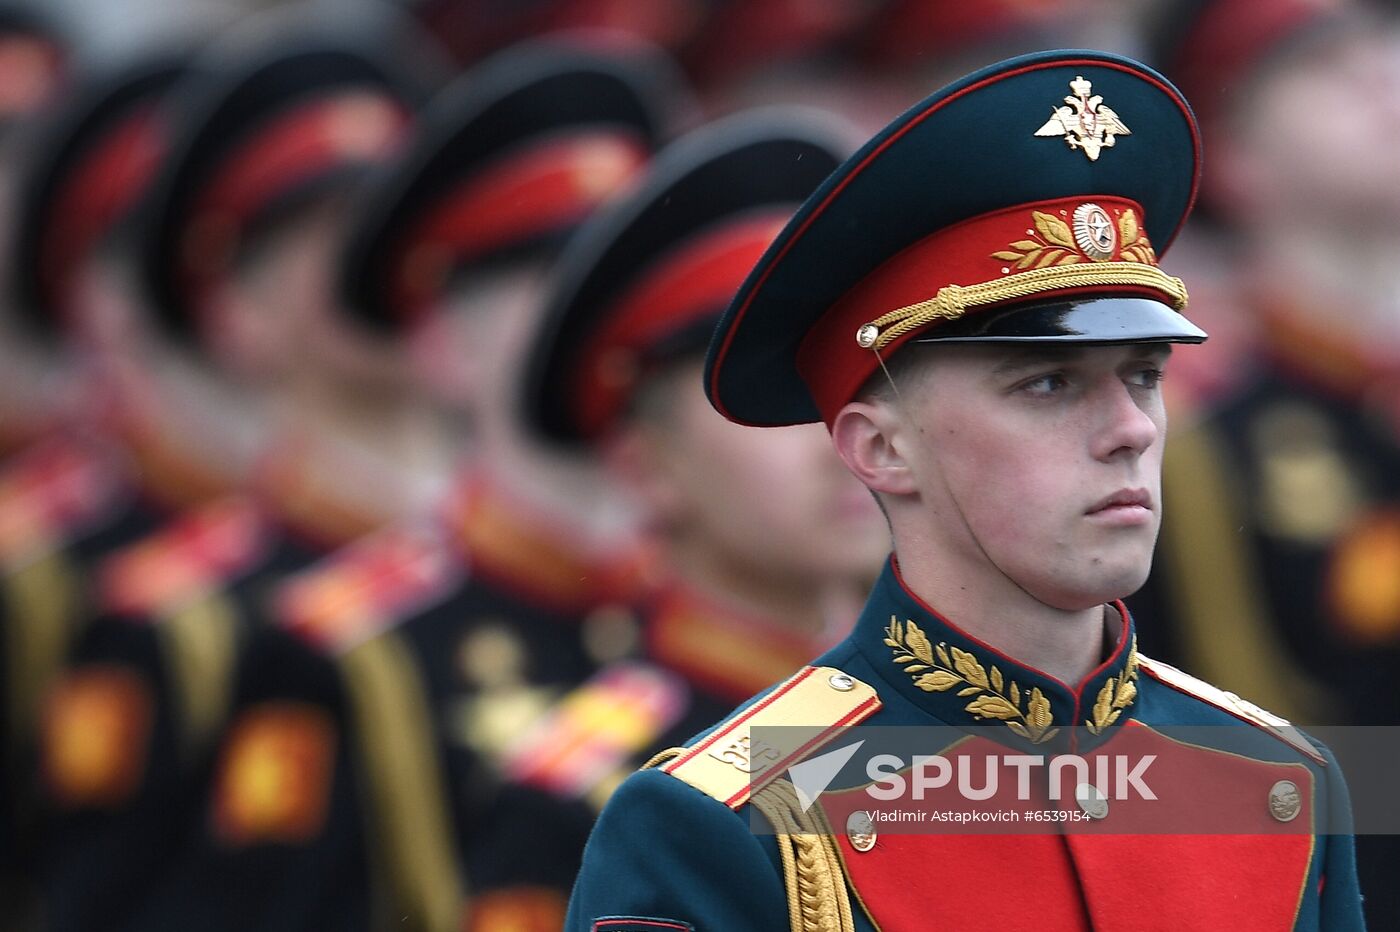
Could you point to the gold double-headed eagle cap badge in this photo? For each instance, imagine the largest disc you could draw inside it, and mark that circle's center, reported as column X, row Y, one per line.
column 1085, row 123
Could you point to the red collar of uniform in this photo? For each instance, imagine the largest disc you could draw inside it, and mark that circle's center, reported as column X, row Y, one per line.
column 290, row 480
column 516, row 544
column 1298, row 341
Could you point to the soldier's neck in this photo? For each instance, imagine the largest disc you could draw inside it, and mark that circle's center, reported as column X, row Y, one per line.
column 1351, row 276
column 35, row 385
column 388, row 433
column 1066, row 645
column 809, row 604
column 195, row 409
column 566, row 485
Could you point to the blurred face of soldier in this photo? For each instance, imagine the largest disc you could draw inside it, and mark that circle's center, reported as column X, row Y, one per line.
column 1038, row 468
column 467, row 352
column 775, row 503
column 278, row 317
column 1315, row 134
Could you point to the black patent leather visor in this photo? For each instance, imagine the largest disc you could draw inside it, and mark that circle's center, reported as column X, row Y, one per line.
column 1089, row 320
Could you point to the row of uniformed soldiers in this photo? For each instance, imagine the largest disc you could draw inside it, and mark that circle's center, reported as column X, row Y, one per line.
column 322, row 605
column 319, row 612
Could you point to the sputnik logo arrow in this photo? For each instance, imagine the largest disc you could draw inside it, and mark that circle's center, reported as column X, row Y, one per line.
column 811, row 777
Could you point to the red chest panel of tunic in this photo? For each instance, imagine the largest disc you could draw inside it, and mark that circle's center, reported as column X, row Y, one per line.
column 1207, row 852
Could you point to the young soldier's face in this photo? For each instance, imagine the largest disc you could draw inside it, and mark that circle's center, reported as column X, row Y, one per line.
column 468, row 352
column 1041, row 465
column 767, row 503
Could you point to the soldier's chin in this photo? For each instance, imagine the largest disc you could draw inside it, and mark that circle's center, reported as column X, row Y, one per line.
column 1104, row 585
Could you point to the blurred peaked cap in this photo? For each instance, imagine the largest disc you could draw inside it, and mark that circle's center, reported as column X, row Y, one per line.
column 646, row 279
column 84, row 177
column 259, row 131
column 1211, row 47
column 506, row 161
column 1052, row 176
column 36, row 49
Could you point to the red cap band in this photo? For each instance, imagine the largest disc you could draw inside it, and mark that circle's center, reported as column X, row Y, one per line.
column 100, row 189
column 361, row 127
column 696, row 280
column 520, row 196
column 1057, row 248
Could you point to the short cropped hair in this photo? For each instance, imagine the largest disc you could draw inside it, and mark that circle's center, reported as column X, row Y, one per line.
column 898, row 372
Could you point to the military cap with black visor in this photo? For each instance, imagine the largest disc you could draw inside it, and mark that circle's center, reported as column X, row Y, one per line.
column 636, row 294
column 647, row 281
column 1022, row 206
column 1016, row 246
column 303, row 115
column 88, row 163
column 92, row 160
column 506, row 162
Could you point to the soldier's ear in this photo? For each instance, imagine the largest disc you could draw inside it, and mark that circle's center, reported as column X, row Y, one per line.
column 865, row 434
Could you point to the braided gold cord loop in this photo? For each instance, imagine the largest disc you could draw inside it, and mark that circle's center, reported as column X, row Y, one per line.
column 812, row 872
column 952, row 301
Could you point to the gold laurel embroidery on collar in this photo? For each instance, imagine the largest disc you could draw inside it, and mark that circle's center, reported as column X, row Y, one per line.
column 937, row 668
column 1116, row 695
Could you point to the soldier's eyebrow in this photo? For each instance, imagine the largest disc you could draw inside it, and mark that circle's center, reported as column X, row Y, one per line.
column 1018, row 360
column 1021, row 359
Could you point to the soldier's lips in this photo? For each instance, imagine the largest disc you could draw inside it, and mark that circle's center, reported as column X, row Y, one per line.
column 1126, row 507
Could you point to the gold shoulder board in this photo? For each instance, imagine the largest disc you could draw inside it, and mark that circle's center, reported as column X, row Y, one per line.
column 1240, row 708
column 818, row 701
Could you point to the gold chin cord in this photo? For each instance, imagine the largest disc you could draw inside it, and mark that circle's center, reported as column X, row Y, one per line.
column 952, row 301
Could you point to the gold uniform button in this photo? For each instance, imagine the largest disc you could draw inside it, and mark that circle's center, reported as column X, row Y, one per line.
column 1285, row 802
column 860, row 829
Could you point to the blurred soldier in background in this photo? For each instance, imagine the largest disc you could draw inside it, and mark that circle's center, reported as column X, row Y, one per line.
column 235, row 258
column 34, row 65
column 1279, row 570
column 449, row 256
column 765, row 553
column 35, row 68
column 72, row 496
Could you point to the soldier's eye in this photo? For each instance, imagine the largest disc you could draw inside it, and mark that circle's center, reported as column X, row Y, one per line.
column 1148, row 377
column 1046, row 384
